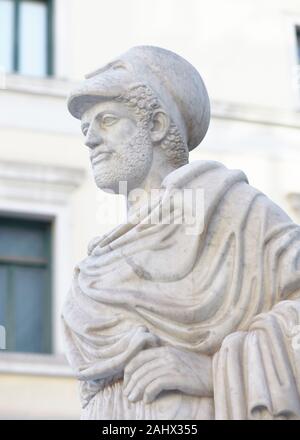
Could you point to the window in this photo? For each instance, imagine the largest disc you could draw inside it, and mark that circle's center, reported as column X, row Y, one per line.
column 298, row 42
column 25, row 284
column 296, row 76
column 26, row 37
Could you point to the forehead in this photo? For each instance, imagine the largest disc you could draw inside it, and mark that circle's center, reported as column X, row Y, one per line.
column 108, row 106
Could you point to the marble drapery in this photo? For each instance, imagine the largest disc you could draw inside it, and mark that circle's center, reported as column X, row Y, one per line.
column 232, row 291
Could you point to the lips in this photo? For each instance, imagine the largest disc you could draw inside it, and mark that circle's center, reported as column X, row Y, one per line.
column 99, row 157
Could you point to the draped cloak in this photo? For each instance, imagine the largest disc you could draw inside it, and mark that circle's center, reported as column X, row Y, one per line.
column 230, row 290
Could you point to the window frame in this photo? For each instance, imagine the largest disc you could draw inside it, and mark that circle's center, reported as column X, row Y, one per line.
column 296, row 70
column 290, row 21
column 51, row 202
column 46, row 263
column 297, row 32
column 49, row 49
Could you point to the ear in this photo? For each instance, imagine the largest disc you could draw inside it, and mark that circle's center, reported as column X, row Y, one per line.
column 160, row 125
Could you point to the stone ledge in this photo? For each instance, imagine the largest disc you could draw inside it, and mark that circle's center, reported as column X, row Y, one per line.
column 49, row 86
column 34, row 364
column 255, row 114
column 60, row 88
column 48, row 183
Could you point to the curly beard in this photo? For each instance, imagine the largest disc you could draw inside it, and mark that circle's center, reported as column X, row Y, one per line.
column 129, row 163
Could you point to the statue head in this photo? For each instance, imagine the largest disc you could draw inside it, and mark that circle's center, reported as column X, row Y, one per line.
column 147, row 102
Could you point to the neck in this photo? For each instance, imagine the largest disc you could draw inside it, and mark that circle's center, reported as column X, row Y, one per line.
column 140, row 196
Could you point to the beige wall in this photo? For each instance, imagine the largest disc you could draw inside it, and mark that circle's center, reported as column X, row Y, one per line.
column 38, row 397
column 244, row 49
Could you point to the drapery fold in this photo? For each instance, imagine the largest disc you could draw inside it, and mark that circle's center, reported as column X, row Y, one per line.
column 257, row 373
column 145, row 285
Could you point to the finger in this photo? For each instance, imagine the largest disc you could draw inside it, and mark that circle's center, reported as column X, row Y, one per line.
column 139, row 374
column 144, row 363
column 140, row 359
column 136, row 346
column 162, row 383
column 138, row 391
column 114, row 365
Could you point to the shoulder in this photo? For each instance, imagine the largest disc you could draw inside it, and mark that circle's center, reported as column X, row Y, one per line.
column 205, row 170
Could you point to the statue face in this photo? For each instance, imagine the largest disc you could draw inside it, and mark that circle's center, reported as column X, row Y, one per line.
column 120, row 146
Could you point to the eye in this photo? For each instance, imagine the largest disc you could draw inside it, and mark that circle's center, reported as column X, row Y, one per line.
column 85, row 129
column 108, row 120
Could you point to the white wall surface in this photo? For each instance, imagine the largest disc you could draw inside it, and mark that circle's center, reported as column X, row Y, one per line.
column 245, row 50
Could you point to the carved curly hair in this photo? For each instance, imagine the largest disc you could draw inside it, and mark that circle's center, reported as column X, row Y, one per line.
column 143, row 101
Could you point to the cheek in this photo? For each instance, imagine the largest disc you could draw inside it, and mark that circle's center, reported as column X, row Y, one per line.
column 120, row 133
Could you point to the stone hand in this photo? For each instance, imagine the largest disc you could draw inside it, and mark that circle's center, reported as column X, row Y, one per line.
column 167, row 368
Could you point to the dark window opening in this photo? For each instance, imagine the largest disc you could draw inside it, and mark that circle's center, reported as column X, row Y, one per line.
column 26, row 36
column 25, row 284
column 298, row 42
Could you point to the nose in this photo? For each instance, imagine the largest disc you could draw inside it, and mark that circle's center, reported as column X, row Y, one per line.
column 93, row 138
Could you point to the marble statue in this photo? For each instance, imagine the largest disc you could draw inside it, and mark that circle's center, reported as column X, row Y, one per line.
column 160, row 323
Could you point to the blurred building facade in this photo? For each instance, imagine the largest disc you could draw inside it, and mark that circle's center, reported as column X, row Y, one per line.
column 248, row 54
